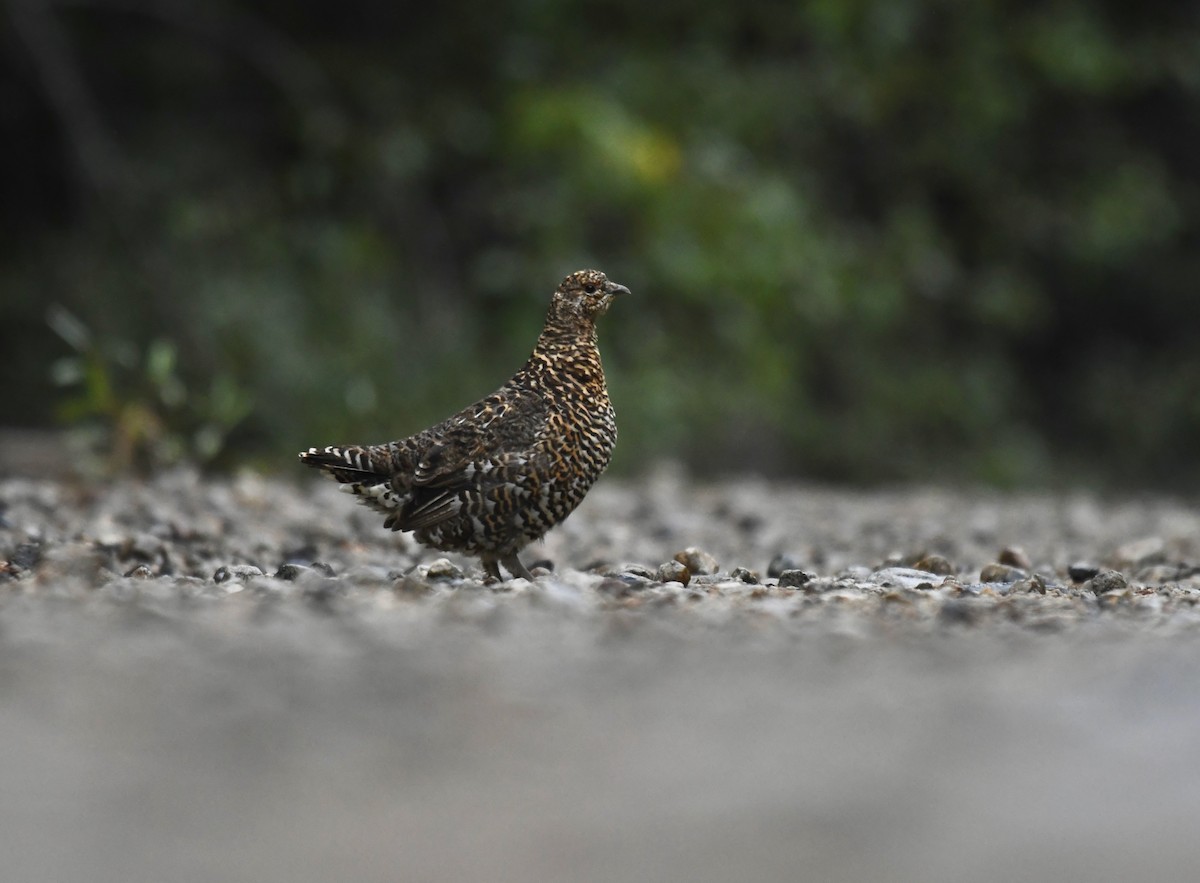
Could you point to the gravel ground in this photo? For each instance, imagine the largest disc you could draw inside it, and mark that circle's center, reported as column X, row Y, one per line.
column 251, row 680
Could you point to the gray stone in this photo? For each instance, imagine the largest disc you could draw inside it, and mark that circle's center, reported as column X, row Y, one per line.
column 442, row 569
column 1109, row 581
column 239, row 572
column 794, row 578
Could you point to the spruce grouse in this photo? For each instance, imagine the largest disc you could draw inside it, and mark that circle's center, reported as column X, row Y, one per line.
column 500, row 473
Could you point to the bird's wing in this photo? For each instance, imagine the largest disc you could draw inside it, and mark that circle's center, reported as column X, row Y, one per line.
column 466, row 487
column 509, row 421
column 426, row 510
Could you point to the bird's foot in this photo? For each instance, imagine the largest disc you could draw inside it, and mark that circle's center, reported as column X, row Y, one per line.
column 514, row 566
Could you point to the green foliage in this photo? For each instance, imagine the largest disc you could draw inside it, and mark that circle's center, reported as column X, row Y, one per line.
column 870, row 240
column 131, row 410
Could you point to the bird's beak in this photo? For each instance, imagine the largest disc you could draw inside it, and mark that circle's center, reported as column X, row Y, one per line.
column 614, row 289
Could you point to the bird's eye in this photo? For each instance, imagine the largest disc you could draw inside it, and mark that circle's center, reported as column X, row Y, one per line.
column 590, row 288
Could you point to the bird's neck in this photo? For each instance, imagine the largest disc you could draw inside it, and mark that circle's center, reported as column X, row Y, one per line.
column 566, row 350
column 560, row 336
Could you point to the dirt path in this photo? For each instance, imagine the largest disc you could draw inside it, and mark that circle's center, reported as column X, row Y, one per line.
column 369, row 715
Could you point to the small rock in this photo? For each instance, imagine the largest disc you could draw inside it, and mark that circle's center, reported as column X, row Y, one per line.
column 1082, row 571
column 639, row 570
column 1109, row 581
column 1001, row 573
column 1014, row 556
column 934, row 564
column 442, row 569
column 292, row 571
column 26, row 556
column 699, row 562
column 1035, row 584
column 228, row 572
column 140, row 572
column 673, row 572
column 780, row 563
column 794, row 578
column 743, row 575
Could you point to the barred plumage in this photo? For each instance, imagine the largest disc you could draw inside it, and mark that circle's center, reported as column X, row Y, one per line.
column 500, row 473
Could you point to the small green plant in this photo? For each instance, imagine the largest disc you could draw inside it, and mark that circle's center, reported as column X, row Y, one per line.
column 129, row 409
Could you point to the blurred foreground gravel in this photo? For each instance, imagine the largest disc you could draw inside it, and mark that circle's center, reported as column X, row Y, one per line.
column 251, row 680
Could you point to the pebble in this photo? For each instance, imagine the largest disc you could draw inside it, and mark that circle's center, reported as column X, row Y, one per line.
column 1035, row 583
column 1001, row 573
column 442, row 569
column 141, row 571
column 673, row 572
column 934, row 564
column 794, row 578
column 26, row 556
column 639, row 570
column 1109, row 581
column 227, row 572
column 744, row 575
column 1082, row 571
column 1015, row 556
column 699, row 562
column 293, row 570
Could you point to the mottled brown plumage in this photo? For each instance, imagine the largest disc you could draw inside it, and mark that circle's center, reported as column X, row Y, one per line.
column 500, row 473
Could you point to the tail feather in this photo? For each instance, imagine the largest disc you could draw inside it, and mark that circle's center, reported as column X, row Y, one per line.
column 352, row 464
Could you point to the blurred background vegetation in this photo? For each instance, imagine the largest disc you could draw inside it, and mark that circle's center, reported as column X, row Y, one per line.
column 869, row 240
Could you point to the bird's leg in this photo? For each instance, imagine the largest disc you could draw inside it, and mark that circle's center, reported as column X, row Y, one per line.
column 491, row 568
column 514, row 566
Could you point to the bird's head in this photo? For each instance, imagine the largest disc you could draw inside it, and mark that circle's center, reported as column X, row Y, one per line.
column 586, row 295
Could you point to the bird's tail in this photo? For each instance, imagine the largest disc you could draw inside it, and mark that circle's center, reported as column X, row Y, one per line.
column 353, row 464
